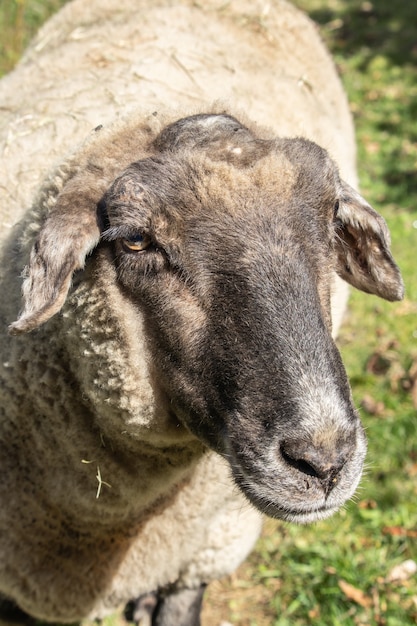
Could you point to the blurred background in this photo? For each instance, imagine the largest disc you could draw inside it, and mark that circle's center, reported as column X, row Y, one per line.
column 358, row 568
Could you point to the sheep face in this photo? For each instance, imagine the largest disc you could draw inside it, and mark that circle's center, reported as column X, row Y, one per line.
column 230, row 259
column 227, row 244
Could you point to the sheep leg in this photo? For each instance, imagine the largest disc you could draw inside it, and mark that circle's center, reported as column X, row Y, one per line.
column 179, row 608
column 140, row 611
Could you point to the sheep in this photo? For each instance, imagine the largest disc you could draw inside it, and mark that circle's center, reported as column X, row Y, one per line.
column 172, row 374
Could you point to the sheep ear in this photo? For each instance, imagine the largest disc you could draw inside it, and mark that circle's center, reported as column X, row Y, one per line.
column 362, row 244
column 66, row 238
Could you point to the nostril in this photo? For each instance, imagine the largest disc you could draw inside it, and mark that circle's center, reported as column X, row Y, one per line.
column 314, row 461
column 300, row 464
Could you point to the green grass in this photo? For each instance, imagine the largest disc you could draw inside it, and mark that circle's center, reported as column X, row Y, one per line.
column 299, row 575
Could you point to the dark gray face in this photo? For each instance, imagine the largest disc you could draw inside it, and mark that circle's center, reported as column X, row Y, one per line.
column 234, row 280
column 227, row 244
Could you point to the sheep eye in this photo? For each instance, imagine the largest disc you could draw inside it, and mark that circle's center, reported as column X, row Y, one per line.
column 336, row 208
column 137, row 243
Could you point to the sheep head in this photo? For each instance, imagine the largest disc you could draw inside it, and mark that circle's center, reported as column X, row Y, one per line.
column 227, row 243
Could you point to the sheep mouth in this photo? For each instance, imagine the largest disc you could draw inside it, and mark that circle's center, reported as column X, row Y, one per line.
column 293, row 496
column 286, row 513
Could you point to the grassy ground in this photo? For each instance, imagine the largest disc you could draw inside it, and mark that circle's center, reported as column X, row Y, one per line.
column 19, row 21
column 341, row 571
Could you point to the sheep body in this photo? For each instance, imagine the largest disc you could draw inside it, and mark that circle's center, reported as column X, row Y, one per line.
column 97, row 471
column 89, row 63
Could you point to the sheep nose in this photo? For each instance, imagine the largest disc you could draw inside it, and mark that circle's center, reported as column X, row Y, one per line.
column 320, row 461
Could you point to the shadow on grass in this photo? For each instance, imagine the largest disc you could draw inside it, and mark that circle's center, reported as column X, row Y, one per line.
column 387, row 27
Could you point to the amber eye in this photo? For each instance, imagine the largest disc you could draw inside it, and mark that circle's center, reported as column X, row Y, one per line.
column 137, row 243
